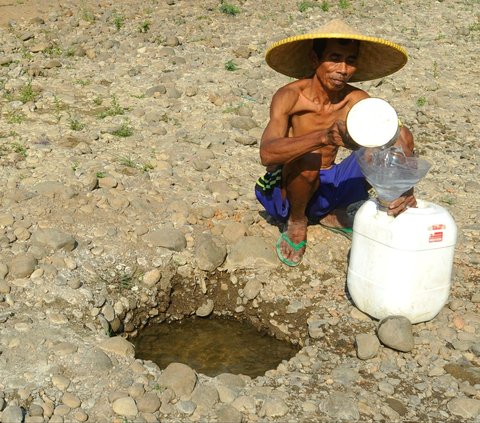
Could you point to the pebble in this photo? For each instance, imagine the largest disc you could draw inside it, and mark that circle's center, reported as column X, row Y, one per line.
column 180, row 378
column 367, row 346
column 396, row 332
column 125, row 406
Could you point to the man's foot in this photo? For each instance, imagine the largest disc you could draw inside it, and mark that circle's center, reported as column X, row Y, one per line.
column 338, row 221
column 292, row 244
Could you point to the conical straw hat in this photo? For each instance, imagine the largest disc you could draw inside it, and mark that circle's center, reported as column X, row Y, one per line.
column 376, row 58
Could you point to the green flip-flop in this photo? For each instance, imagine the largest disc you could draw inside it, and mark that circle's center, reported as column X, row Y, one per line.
column 346, row 232
column 295, row 247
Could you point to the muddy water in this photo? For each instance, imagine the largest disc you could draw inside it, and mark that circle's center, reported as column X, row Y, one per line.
column 212, row 346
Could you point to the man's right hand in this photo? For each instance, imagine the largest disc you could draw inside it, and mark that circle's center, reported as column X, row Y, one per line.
column 338, row 136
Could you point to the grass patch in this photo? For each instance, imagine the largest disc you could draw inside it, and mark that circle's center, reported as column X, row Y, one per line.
column 15, row 118
column 124, row 131
column 325, row 6
column 118, row 21
column 344, row 4
column 100, row 175
column 421, row 101
column 27, row 94
column 19, row 148
column 231, row 66
column 144, row 27
column 229, row 9
column 87, row 15
column 304, row 5
column 75, row 124
column 114, row 109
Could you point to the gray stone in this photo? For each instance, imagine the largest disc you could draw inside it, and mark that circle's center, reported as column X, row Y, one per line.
column 54, row 239
column 3, row 270
column 170, row 238
column 210, row 253
column 367, row 346
column 180, row 378
column 54, row 189
column 252, row 289
column 22, row 265
column 151, row 278
column 148, row 403
column 396, row 332
column 339, row 406
column 315, row 326
column 229, row 414
column 345, row 375
column 12, row 414
column 71, row 400
column 251, row 251
column 125, row 407
column 118, row 345
column 231, row 380
column 156, row 90
column 243, row 122
column 205, row 397
column 233, row 231
column 186, row 407
column 245, row 404
column 467, row 408
column 205, row 309
column 274, row 407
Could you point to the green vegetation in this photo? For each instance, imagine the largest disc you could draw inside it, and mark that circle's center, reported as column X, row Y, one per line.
column 100, row 175
column 114, row 109
column 15, row 117
column 27, row 93
column 304, row 5
column 344, row 4
column 124, row 131
column 87, row 15
column 421, row 101
column 435, row 69
column 83, row 82
column 118, row 21
column 231, row 66
column 475, row 26
column 325, row 6
column 97, row 101
column 75, row 165
column 19, row 148
column 229, row 9
column 144, row 27
column 127, row 161
column 75, row 124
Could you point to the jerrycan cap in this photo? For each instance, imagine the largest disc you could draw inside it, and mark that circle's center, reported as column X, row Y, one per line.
column 372, row 122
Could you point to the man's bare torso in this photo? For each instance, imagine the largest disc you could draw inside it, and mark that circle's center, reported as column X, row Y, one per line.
column 308, row 114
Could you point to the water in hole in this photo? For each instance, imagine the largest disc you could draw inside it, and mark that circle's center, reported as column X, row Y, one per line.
column 212, row 347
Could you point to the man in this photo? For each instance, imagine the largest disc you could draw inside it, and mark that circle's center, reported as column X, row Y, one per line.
column 307, row 128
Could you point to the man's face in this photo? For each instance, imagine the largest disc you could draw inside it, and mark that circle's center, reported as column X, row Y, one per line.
column 337, row 64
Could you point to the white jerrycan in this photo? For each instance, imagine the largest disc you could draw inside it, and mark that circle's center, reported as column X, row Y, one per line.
column 402, row 265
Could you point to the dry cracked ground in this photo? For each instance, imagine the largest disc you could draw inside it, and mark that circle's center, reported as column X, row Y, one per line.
column 129, row 150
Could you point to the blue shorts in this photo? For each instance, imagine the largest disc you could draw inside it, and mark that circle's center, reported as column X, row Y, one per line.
column 340, row 185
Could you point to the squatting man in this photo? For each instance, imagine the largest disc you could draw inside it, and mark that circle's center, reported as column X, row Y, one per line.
column 307, row 127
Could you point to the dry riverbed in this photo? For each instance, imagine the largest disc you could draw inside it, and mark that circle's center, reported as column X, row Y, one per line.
column 129, row 150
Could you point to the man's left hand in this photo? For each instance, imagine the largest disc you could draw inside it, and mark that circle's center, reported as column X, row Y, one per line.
column 402, row 203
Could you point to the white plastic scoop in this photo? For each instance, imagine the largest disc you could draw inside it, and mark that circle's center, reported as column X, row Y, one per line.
column 373, row 122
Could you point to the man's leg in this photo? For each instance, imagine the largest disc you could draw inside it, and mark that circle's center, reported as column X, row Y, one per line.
column 300, row 181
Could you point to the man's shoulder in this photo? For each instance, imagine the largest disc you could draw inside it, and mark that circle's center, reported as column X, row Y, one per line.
column 354, row 94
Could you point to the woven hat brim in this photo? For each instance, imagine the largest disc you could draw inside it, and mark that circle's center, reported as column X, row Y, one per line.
column 377, row 57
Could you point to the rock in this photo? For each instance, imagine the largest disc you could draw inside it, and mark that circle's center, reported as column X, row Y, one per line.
column 186, row 407
column 229, row 414
column 118, row 345
column 172, row 239
column 125, row 407
column 251, row 251
column 205, row 397
column 233, row 231
column 54, row 189
column 243, row 122
column 148, row 403
column 22, row 265
column 152, row 277
column 367, row 346
column 180, row 378
column 252, row 289
column 205, row 309
column 245, row 404
column 210, row 253
column 273, row 407
column 54, row 239
column 339, row 406
column 315, row 326
column 3, row 270
column 396, row 332
column 230, row 380
column 467, row 408
column 12, row 414
column 71, row 400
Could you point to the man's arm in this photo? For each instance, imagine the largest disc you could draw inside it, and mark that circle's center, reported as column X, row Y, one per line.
column 276, row 147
